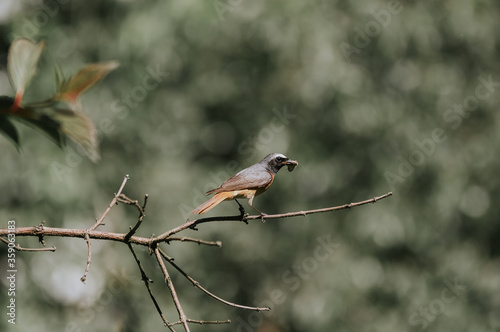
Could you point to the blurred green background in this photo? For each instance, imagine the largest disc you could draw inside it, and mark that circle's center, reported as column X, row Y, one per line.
column 368, row 96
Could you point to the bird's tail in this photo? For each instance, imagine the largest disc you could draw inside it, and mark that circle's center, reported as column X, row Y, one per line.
column 208, row 205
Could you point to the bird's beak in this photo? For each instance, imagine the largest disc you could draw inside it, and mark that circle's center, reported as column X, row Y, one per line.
column 291, row 164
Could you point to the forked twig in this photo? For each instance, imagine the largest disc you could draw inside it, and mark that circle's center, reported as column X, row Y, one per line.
column 142, row 212
column 113, row 202
column 97, row 224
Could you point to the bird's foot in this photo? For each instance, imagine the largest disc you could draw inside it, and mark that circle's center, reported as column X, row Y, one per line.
column 242, row 211
column 243, row 214
column 262, row 215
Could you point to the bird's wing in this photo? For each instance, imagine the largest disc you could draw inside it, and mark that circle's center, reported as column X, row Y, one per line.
column 249, row 178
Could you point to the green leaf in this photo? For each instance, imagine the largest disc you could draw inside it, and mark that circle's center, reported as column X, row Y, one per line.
column 59, row 77
column 22, row 64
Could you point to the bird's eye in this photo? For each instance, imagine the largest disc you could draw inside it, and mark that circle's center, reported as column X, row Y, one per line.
column 279, row 159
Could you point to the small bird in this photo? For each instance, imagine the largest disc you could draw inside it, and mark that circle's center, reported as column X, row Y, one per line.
column 248, row 183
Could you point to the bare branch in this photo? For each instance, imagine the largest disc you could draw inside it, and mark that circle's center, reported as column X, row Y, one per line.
column 197, row 285
column 329, row 209
column 152, row 243
column 191, row 224
column 146, row 281
column 177, row 303
column 204, row 322
column 89, row 258
column 188, row 239
column 165, row 237
column 113, row 202
column 19, row 248
column 142, row 209
column 97, row 224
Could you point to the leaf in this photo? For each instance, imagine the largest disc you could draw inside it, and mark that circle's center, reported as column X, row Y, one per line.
column 22, row 65
column 58, row 120
column 80, row 129
column 70, row 89
column 39, row 119
column 8, row 129
column 59, row 76
column 6, row 104
column 6, row 126
column 58, row 117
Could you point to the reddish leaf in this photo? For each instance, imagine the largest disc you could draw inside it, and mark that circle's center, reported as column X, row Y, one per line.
column 71, row 88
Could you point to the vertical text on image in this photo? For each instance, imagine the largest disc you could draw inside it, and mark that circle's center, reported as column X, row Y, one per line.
column 11, row 271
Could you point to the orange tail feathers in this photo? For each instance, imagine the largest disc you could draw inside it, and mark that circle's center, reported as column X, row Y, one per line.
column 212, row 202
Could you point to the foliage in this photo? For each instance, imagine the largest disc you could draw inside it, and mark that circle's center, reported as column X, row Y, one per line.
column 59, row 116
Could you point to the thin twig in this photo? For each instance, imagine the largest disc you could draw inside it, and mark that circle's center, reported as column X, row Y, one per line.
column 177, row 303
column 329, row 209
column 113, row 202
column 141, row 209
column 146, row 281
column 97, row 224
column 197, row 285
column 89, row 258
column 188, row 239
column 19, row 248
column 203, row 322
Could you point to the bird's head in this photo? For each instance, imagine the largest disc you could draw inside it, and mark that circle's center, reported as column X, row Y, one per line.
column 275, row 161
